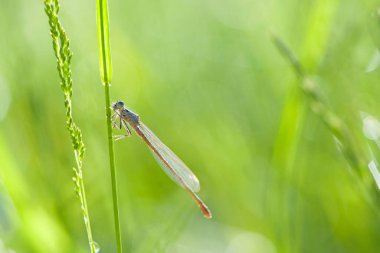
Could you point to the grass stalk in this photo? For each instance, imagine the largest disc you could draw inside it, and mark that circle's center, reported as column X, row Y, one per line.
column 106, row 74
column 61, row 47
column 346, row 144
column 335, row 125
column 356, row 159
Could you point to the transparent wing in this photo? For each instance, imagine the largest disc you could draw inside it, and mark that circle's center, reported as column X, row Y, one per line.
column 169, row 162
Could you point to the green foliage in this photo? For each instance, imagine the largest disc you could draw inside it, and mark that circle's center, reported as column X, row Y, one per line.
column 281, row 157
column 106, row 74
column 104, row 41
column 63, row 54
column 320, row 108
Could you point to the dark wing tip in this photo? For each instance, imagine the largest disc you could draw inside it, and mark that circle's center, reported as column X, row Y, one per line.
column 205, row 211
column 202, row 206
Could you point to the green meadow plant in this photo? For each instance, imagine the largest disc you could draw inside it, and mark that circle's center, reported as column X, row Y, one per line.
column 106, row 75
column 356, row 159
column 63, row 54
column 312, row 90
column 309, row 94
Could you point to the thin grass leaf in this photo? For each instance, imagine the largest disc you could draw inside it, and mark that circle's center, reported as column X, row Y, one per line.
column 317, row 104
column 342, row 135
column 104, row 41
column 106, row 72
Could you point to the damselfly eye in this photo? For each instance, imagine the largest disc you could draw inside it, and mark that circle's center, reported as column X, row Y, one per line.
column 117, row 105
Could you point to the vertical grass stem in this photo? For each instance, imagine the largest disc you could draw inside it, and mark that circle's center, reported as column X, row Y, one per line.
column 106, row 74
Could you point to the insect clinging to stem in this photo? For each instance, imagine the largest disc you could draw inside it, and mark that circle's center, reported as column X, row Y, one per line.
column 173, row 166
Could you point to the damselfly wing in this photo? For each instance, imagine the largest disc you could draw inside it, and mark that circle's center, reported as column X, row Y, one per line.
column 172, row 165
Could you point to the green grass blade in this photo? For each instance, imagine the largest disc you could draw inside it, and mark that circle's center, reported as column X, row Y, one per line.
column 106, row 72
column 335, row 125
column 112, row 169
column 104, row 41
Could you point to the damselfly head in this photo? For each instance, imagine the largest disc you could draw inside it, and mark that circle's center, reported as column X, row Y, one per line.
column 117, row 105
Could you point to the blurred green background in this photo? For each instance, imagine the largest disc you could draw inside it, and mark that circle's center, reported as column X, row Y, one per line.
column 206, row 78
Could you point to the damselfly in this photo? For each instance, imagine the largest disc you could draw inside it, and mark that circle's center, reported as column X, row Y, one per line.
column 169, row 162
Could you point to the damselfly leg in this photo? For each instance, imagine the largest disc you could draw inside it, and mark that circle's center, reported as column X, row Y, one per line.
column 114, row 123
column 119, row 125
